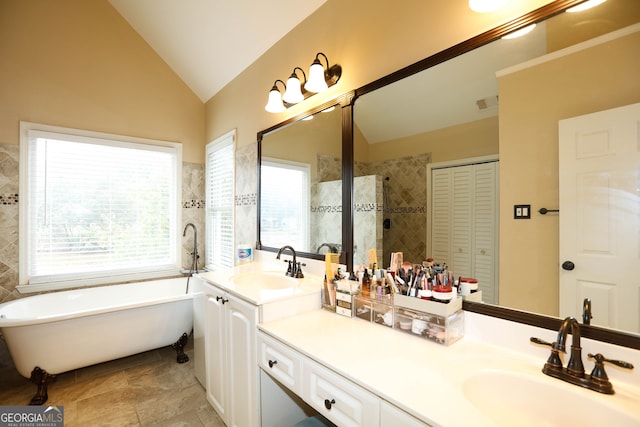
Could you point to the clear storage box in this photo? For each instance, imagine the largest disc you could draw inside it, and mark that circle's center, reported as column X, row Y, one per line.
column 435, row 321
column 376, row 309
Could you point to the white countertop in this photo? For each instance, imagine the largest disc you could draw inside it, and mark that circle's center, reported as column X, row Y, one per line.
column 254, row 292
column 423, row 378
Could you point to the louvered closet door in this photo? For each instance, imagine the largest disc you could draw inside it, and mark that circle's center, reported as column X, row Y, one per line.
column 464, row 222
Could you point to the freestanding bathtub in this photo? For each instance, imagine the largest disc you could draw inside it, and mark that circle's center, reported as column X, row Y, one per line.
column 62, row 331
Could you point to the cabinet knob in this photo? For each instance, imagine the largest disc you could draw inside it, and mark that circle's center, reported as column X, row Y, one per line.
column 272, row 363
column 328, row 403
column 222, row 299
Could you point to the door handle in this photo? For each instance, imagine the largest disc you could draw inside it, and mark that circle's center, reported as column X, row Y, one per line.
column 568, row 265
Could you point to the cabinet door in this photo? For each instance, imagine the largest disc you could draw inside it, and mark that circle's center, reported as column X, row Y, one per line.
column 243, row 366
column 216, row 353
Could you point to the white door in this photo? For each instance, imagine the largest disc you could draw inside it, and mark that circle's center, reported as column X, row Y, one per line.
column 464, row 222
column 599, row 159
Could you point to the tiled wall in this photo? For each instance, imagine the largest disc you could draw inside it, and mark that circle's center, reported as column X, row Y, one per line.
column 405, row 204
column 9, row 160
column 192, row 211
column 246, row 194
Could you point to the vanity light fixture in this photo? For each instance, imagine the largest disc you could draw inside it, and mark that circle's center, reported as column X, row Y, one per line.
column 586, row 5
column 293, row 93
column 484, row 6
column 275, row 105
column 320, row 79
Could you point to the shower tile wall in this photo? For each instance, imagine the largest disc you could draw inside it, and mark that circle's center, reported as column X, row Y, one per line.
column 367, row 217
column 246, row 195
column 405, row 205
column 192, row 211
column 326, row 214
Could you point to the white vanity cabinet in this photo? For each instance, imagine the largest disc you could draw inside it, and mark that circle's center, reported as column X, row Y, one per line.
column 230, row 361
column 335, row 397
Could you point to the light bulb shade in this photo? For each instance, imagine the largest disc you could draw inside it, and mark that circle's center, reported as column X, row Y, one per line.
column 275, row 105
column 484, row 6
column 316, row 82
column 293, row 93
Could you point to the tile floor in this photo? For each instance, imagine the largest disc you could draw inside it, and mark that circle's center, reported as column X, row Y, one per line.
column 147, row 389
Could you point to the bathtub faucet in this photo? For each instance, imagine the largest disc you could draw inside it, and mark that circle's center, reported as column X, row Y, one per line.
column 194, row 253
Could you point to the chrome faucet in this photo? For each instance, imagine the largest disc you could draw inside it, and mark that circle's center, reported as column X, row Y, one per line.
column 574, row 372
column 294, row 269
column 194, row 253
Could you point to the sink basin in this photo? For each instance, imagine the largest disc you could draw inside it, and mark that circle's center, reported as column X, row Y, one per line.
column 264, row 279
column 513, row 399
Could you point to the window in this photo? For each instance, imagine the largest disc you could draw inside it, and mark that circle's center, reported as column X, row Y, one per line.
column 96, row 208
column 220, row 201
column 284, row 203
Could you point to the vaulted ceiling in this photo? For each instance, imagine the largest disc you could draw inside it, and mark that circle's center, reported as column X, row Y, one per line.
column 209, row 42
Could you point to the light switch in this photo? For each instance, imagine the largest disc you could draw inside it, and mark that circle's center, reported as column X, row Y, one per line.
column 521, row 211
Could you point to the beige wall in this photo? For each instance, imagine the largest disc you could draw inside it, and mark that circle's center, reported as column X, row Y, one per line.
column 473, row 139
column 369, row 42
column 79, row 64
column 531, row 103
column 304, row 140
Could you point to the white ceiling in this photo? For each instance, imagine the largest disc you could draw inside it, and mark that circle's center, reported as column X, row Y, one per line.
column 209, row 42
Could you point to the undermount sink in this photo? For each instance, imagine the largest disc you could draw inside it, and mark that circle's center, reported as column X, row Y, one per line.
column 513, row 399
column 264, row 279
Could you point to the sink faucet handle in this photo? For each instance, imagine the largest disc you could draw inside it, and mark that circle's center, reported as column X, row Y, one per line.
column 598, row 378
column 542, row 342
column 299, row 274
column 600, row 359
column 554, row 363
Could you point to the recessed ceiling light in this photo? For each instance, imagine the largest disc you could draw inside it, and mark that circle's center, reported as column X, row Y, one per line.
column 586, row 5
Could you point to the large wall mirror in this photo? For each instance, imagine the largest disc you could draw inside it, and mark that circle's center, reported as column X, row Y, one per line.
column 300, row 170
column 445, row 149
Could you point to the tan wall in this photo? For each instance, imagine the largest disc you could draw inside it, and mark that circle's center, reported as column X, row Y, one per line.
column 473, row 139
column 79, row 64
column 304, row 140
column 369, row 42
column 531, row 103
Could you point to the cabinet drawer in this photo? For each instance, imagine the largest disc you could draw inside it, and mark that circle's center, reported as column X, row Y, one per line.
column 338, row 399
column 281, row 362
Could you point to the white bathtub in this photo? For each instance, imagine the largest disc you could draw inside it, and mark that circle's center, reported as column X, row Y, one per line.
column 62, row 331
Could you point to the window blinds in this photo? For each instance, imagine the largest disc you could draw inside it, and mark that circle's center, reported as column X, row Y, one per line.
column 220, row 202
column 98, row 208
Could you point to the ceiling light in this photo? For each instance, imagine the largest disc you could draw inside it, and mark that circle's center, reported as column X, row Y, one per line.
column 519, row 33
column 275, row 105
column 484, row 6
column 586, row 5
column 320, row 79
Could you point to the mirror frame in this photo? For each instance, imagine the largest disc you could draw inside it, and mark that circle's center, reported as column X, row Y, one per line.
column 347, row 101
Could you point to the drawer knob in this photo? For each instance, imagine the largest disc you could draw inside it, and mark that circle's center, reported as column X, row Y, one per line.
column 272, row 362
column 328, row 403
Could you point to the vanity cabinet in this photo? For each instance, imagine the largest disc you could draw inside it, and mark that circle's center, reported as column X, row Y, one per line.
column 230, row 361
column 338, row 399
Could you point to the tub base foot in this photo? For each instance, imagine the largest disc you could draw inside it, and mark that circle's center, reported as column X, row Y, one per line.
column 41, row 378
column 178, row 346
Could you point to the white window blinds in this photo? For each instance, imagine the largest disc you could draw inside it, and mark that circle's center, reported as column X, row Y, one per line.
column 97, row 209
column 220, row 202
